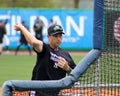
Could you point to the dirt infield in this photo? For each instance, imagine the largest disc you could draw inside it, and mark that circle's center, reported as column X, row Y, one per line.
column 82, row 53
column 78, row 92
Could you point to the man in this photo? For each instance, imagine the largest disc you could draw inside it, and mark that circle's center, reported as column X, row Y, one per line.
column 23, row 41
column 52, row 62
column 6, row 39
column 38, row 27
column 2, row 33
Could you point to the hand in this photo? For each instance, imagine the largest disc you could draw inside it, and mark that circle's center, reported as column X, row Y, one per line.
column 18, row 27
column 62, row 63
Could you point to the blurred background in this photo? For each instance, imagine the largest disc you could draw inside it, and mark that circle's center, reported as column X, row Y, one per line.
column 64, row 4
column 75, row 16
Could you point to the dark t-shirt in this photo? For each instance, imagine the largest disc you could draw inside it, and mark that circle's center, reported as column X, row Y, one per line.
column 46, row 66
column 2, row 33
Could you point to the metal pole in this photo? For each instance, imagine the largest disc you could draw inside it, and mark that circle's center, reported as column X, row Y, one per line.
column 97, row 77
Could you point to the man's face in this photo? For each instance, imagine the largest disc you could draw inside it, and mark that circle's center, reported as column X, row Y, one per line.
column 55, row 40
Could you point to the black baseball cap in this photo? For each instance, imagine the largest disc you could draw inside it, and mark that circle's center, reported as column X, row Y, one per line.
column 55, row 29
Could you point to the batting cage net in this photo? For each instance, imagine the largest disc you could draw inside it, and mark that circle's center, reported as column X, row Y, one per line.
column 103, row 77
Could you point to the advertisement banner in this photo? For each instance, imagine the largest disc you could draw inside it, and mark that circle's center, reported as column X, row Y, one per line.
column 77, row 25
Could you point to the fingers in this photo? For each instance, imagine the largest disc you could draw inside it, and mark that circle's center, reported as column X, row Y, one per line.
column 17, row 27
column 62, row 63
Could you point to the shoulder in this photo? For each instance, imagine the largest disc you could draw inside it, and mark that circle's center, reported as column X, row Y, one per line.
column 64, row 52
column 45, row 47
column 45, row 50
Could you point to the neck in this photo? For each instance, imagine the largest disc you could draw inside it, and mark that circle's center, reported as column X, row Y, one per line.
column 54, row 48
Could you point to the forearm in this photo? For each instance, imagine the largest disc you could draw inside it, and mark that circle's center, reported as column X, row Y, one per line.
column 35, row 43
column 29, row 37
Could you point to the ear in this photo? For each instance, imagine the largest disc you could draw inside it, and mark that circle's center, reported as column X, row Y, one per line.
column 48, row 36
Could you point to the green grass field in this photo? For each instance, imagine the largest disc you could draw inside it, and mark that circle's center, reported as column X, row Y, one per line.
column 20, row 67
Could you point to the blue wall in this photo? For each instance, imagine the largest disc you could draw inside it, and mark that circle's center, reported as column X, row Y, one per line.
column 77, row 25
